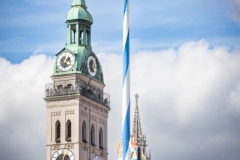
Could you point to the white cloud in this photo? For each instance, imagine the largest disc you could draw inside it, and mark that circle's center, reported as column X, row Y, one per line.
column 189, row 102
column 22, row 110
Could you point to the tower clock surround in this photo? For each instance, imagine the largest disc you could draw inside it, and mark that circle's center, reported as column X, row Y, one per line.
column 63, row 154
column 77, row 107
column 65, row 61
column 92, row 65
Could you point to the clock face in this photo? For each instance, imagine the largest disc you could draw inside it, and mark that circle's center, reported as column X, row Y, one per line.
column 92, row 65
column 65, row 61
column 63, row 154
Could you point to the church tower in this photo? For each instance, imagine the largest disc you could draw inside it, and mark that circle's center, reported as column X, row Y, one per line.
column 140, row 138
column 77, row 107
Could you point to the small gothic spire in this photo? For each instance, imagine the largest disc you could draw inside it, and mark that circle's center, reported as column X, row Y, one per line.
column 137, row 129
column 79, row 3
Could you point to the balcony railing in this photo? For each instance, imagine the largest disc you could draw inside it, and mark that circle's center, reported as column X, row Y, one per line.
column 88, row 92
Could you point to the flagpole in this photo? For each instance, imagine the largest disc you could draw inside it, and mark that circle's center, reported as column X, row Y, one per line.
column 126, row 84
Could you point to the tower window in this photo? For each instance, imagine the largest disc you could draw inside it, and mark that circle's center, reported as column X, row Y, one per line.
column 92, row 135
column 69, row 86
column 84, row 130
column 60, row 87
column 58, row 131
column 101, row 138
column 69, row 130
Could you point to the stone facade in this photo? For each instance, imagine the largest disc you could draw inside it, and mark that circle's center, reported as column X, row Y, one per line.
column 78, row 109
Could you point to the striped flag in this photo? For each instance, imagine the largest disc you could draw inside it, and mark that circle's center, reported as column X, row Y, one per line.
column 126, row 84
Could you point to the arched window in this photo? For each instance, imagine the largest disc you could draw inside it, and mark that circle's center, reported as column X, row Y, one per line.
column 101, row 138
column 92, row 135
column 139, row 153
column 69, row 86
column 69, row 130
column 60, row 87
column 58, row 131
column 84, row 130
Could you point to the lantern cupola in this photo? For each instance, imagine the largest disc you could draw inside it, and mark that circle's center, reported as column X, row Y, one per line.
column 79, row 22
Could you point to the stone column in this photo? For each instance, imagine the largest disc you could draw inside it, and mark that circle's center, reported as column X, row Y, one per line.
column 69, row 35
column 84, row 36
column 77, row 34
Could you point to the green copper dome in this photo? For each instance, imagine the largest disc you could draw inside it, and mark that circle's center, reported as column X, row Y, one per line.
column 79, row 11
column 77, row 57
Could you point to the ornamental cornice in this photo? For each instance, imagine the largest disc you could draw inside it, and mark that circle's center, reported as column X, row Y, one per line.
column 94, row 107
column 58, row 113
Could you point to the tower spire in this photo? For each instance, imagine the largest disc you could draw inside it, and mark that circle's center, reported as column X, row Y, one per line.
column 137, row 129
column 79, row 3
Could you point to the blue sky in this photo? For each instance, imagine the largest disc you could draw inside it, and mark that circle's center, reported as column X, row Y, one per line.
column 31, row 27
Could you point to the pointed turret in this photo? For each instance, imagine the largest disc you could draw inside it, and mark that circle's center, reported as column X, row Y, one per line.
column 140, row 138
column 137, row 129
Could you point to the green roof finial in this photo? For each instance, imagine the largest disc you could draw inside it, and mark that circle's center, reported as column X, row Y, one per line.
column 79, row 3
